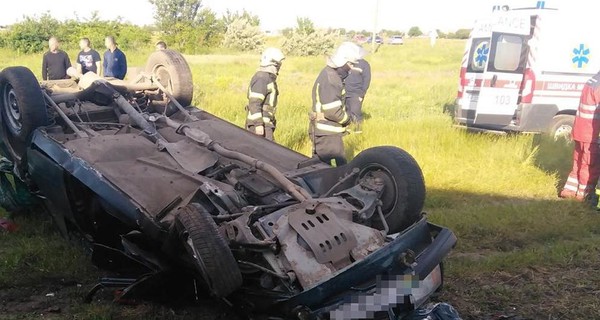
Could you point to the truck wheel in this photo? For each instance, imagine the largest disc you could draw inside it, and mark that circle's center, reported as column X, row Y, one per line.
column 22, row 110
column 404, row 187
column 208, row 249
column 173, row 73
column 562, row 127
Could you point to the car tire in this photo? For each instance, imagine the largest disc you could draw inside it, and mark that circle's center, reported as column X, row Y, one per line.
column 212, row 257
column 173, row 72
column 562, row 127
column 22, row 110
column 404, row 186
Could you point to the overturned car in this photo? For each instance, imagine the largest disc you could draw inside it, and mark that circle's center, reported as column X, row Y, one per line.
column 169, row 187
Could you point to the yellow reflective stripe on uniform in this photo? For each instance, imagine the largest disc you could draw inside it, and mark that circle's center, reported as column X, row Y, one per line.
column 256, row 95
column 332, row 105
column 345, row 118
column 272, row 94
column 266, row 120
column 254, row 116
column 318, row 103
column 330, row 128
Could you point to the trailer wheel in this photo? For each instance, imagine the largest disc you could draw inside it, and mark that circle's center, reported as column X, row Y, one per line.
column 209, row 251
column 22, row 110
column 561, row 127
column 172, row 72
column 404, row 187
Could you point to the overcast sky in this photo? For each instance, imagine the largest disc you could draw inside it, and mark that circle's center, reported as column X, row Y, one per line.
column 447, row 15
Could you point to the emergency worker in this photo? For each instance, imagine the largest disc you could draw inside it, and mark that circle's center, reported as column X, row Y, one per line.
column 263, row 93
column 329, row 118
column 583, row 178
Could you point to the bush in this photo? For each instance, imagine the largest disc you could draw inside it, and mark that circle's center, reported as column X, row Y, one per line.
column 242, row 35
column 305, row 40
column 32, row 34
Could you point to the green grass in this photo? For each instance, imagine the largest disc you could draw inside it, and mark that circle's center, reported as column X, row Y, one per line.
column 521, row 250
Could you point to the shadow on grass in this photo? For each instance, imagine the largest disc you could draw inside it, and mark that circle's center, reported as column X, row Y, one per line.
column 553, row 156
column 513, row 253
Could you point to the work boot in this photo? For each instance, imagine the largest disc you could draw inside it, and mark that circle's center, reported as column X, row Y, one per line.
column 567, row 194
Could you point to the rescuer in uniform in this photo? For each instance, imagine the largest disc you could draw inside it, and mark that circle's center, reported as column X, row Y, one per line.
column 582, row 180
column 262, row 94
column 329, row 117
column 356, row 85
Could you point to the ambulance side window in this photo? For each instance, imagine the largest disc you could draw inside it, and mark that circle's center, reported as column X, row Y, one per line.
column 478, row 55
column 508, row 54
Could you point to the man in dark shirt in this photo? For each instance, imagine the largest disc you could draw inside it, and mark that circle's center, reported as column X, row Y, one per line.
column 55, row 62
column 88, row 59
column 115, row 63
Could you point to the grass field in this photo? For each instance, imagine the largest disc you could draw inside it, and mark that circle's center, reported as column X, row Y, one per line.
column 521, row 250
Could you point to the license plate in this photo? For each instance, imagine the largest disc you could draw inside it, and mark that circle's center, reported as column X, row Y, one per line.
column 390, row 293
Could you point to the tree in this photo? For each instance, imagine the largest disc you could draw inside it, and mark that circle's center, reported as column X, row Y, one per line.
column 230, row 16
column 415, row 32
column 242, row 35
column 171, row 12
column 305, row 40
column 184, row 25
column 305, row 25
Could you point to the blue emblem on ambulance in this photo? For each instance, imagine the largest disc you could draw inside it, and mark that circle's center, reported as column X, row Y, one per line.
column 480, row 57
column 581, row 56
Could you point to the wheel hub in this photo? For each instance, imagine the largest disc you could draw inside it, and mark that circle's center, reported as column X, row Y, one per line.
column 563, row 132
column 12, row 111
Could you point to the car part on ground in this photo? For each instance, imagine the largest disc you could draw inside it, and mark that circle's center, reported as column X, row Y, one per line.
column 162, row 188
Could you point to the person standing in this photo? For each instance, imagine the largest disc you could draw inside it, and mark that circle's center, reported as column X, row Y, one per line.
column 161, row 45
column 329, row 119
column 357, row 84
column 263, row 93
column 115, row 62
column 55, row 62
column 88, row 59
column 582, row 180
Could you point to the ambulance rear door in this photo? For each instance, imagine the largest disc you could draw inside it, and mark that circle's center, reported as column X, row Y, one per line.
column 501, row 84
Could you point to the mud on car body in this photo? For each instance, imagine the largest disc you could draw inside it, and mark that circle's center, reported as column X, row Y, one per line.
column 168, row 187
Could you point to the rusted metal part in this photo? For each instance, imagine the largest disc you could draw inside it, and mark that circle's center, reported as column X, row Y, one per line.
column 329, row 240
column 70, row 123
column 187, row 114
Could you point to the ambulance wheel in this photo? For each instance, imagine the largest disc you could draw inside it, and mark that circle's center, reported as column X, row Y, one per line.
column 172, row 71
column 562, row 127
column 403, row 195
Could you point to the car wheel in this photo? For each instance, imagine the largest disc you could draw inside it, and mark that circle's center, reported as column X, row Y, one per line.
column 22, row 110
column 173, row 73
column 561, row 127
column 404, row 187
column 209, row 251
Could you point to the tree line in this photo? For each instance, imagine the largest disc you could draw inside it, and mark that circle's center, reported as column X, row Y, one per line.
column 185, row 25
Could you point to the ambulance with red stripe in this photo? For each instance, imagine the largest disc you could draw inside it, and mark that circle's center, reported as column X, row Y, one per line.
column 523, row 70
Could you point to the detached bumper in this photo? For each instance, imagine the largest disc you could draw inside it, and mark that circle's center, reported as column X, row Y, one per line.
column 388, row 282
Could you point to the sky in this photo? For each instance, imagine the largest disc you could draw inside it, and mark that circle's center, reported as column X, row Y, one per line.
column 446, row 15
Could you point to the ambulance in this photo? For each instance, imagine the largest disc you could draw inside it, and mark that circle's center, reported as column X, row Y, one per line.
column 523, row 70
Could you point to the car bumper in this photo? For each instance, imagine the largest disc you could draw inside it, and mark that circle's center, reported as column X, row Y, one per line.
column 384, row 282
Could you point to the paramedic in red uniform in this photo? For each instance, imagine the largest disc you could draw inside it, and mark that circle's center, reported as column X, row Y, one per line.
column 581, row 184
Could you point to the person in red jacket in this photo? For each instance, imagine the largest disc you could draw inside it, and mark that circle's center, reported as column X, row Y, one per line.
column 581, row 184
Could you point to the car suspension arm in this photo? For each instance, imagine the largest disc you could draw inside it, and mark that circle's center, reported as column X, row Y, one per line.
column 204, row 139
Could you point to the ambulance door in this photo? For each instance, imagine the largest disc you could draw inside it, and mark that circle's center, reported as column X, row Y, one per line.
column 499, row 94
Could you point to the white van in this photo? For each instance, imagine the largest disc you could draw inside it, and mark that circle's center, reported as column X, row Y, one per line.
column 523, row 70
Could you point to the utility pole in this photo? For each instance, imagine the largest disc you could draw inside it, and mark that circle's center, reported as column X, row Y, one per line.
column 373, row 37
